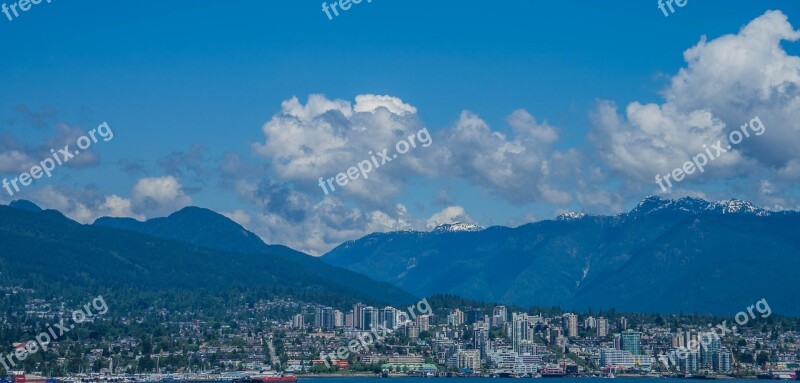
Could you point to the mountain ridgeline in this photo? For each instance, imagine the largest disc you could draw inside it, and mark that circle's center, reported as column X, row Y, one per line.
column 194, row 258
column 667, row 256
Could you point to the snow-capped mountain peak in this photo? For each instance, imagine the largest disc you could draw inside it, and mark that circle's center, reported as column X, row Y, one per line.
column 736, row 206
column 571, row 216
column 457, row 227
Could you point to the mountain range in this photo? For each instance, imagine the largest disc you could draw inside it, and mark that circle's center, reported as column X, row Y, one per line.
column 685, row 255
column 193, row 253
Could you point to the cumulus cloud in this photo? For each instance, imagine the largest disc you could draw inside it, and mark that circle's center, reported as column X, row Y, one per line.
column 310, row 225
column 116, row 206
column 450, row 214
column 371, row 102
column 152, row 197
column 521, row 168
column 653, row 139
column 14, row 161
column 726, row 82
column 79, row 204
column 326, row 137
column 156, row 196
column 239, row 216
column 14, row 156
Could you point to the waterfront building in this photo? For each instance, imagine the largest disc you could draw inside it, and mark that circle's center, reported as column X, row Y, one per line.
column 709, row 350
column 691, row 363
column 614, row 358
column 722, row 361
column 631, row 341
column 470, row 359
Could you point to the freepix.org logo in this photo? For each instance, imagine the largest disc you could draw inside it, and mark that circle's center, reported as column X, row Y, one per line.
column 344, row 5
column 363, row 168
column 16, row 8
column 711, row 153
column 60, row 157
column 54, row 333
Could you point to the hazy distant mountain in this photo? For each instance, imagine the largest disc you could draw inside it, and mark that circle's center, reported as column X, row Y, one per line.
column 685, row 255
column 192, row 251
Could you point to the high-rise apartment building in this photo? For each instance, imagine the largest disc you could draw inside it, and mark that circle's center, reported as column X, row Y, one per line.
column 631, row 341
column 323, row 318
column 455, row 318
column 570, row 324
column 499, row 316
column 298, row 321
column 338, row 319
column 602, row 327
column 521, row 331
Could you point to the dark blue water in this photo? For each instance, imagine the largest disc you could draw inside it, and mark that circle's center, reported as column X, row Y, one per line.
column 507, row 380
column 357, row 379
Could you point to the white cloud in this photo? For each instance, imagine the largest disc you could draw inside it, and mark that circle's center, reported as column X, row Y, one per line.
column 326, row 137
column 14, row 161
column 155, row 196
column 522, row 168
column 727, row 81
column 450, row 214
column 371, row 102
column 116, row 206
column 239, row 216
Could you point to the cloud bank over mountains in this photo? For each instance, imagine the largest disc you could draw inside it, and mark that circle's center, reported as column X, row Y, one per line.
column 725, row 82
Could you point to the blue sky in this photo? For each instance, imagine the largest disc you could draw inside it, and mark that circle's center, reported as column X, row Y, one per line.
column 187, row 87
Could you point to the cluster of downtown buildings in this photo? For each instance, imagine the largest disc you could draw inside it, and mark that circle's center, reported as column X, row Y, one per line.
column 291, row 336
column 500, row 341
